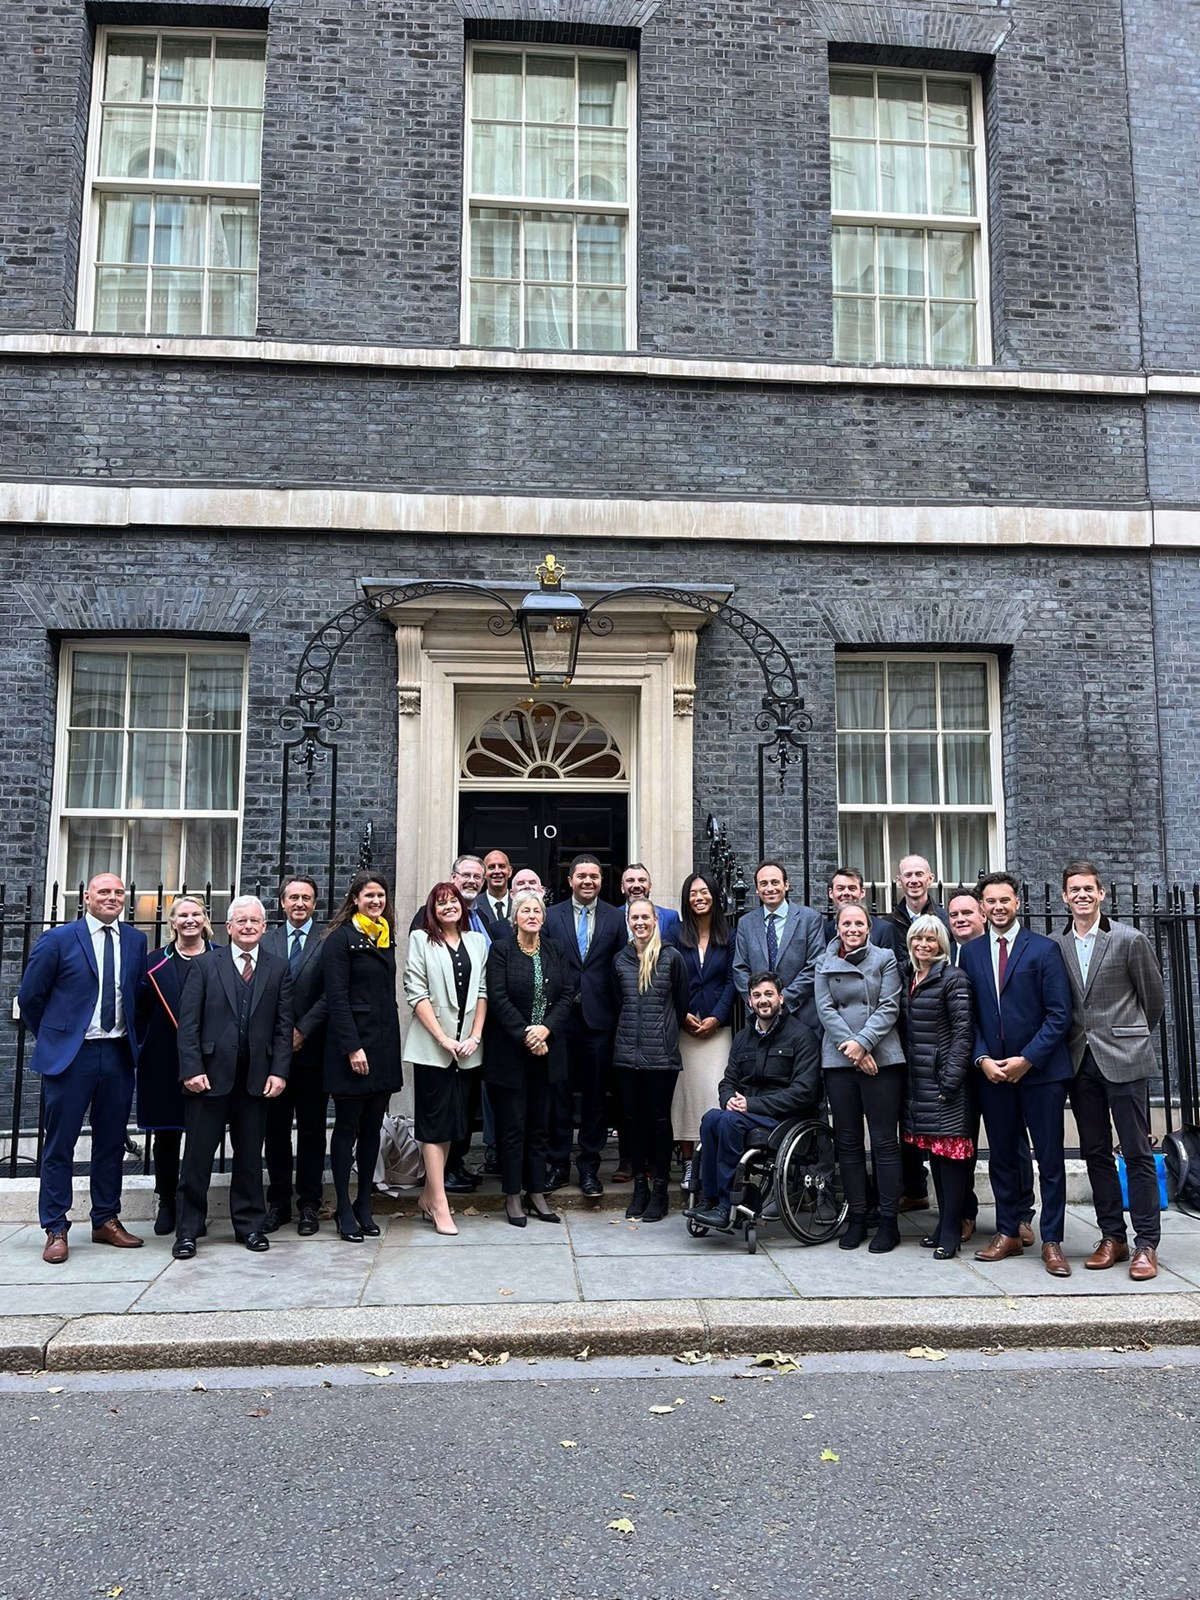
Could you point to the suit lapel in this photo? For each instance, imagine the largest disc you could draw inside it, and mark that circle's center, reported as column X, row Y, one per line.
column 85, row 939
column 228, row 975
column 1099, row 950
column 1019, row 945
column 1071, row 957
column 263, row 972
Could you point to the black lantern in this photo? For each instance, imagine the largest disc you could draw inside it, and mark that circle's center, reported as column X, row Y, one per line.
column 550, row 620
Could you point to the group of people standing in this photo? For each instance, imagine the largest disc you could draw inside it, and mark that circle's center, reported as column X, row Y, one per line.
column 909, row 1026
column 929, row 1018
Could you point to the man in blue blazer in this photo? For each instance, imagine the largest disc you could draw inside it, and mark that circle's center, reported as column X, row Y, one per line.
column 782, row 938
column 1022, row 1023
column 589, row 933
column 79, row 997
column 636, row 885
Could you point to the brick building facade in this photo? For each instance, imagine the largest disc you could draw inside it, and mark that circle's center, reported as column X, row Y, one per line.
column 876, row 318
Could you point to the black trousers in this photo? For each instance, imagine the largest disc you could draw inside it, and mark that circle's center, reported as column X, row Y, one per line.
column 589, row 1058
column 354, row 1143
column 522, row 1113
column 646, row 1099
column 205, row 1118
column 854, row 1095
column 306, row 1101
column 1097, row 1103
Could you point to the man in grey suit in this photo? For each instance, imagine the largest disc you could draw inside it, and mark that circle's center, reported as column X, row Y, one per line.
column 1117, row 995
column 781, row 938
column 298, row 941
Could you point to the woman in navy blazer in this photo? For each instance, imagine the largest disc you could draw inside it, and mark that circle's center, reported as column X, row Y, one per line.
column 703, row 939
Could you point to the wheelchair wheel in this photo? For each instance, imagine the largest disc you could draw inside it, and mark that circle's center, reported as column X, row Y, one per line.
column 751, row 1238
column 696, row 1229
column 808, row 1185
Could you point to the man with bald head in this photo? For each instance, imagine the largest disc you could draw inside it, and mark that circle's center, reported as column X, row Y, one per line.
column 78, row 996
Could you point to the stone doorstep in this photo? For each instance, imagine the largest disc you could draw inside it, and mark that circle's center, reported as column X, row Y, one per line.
column 418, row 1334
column 18, row 1196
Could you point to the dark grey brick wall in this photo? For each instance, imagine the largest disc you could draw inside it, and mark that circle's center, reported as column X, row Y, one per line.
column 1074, row 633
column 1177, row 661
column 362, row 169
column 142, row 421
column 1173, row 460
column 1164, row 107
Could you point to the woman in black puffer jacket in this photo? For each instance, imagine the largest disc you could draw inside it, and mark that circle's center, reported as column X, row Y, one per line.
column 653, row 996
column 939, row 1107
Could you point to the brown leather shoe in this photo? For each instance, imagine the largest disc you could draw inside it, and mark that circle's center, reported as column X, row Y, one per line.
column 1002, row 1245
column 913, row 1202
column 623, row 1173
column 56, row 1246
column 111, row 1232
column 1144, row 1265
column 967, row 1229
column 1106, row 1254
column 1055, row 1263
column 1025, row 1232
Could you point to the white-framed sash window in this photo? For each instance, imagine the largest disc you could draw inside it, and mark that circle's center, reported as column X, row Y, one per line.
column 548, row 247
column 174, row 156
column 918, row 763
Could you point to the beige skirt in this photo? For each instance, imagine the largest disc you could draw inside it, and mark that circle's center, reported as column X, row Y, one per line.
column 704, row 1063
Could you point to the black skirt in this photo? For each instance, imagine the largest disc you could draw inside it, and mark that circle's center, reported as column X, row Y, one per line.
column 439, row 1103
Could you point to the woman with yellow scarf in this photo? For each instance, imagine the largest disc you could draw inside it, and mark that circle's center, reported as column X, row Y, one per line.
column 362, row 1042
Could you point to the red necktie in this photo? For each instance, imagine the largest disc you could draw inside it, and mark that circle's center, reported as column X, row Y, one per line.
column 1002, row 963
column 247, row 969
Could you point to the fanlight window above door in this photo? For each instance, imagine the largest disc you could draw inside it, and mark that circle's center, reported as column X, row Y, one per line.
column 542, row 740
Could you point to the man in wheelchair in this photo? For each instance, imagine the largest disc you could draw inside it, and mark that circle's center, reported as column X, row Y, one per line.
column 773, row 1075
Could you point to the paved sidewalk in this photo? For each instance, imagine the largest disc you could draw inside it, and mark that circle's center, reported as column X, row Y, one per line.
column 595, row 1280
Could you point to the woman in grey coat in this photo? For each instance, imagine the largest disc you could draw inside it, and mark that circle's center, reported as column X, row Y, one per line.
column 857, row 991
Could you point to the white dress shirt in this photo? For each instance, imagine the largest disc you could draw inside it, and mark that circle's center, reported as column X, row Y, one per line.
column 1010, row 935
column 1085, row 945
column 96, row 930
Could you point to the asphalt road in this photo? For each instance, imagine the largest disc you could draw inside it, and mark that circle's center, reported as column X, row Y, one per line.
column 1022, row 1476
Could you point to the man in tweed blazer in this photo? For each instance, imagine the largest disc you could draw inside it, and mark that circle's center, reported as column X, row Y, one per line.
column 1117, row 995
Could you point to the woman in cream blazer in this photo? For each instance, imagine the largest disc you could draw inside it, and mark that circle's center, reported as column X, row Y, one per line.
column 445, row 984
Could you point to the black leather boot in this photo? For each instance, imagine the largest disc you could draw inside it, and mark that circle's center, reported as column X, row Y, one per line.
column 641, row 1197
column 660, row 1202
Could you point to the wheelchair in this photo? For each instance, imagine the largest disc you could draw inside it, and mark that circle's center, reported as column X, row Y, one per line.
column 788, row 1174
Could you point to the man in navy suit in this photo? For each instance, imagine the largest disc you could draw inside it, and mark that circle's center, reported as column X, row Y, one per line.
column 299, row 943
column 78, row 995
column 1022, row 1022
column 636, row 885
column 781, row 938
column 589, row 933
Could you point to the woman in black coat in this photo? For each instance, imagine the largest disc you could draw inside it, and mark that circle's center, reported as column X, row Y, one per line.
column 529, row 1000
column 654, row 996
column 362, row 1042
column 939, row 1108
column 159, row 1096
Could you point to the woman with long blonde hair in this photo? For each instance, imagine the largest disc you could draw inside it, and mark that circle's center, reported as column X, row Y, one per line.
column 653, row 995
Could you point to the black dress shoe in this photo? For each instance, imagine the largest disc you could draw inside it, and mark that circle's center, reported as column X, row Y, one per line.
column 164, row 1218
column 514, row 1222
column 556, row 1177
column 460, row 1181
column 183, row 1249
column 366, row 1221
column 590, row 1185
column 258, row 1242
column 275, row 1216
column 308, row 1223
column 542, row 1216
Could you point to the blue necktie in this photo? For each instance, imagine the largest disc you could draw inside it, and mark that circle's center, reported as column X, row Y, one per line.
column 297, row 949
column 581, row 931
column 108, row 985
column 772, row 942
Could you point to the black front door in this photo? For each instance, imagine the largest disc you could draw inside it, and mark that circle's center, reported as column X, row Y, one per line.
column 545, row 829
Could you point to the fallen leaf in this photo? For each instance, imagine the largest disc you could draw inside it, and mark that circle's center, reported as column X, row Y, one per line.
column 378, row 1372
column 472, row 1211
column 627, row 1496
column 777, row 1360
column 584, row 1354
column 662, row 1411
column 808, row 1416
column 922, row 1352
column 57, row 1390
column 693, row 1358
column 114, row 1592
column 717, row 1399
column 992, row 1350
column 1010, row 1303
column 569, row 1444
column 620, row 1525
column 260, row 1411
column 199, row 1388
column 679, row 1402
column 828, row 1455
column 325, row 1383
column 480, row 1360
column 505, row 1292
